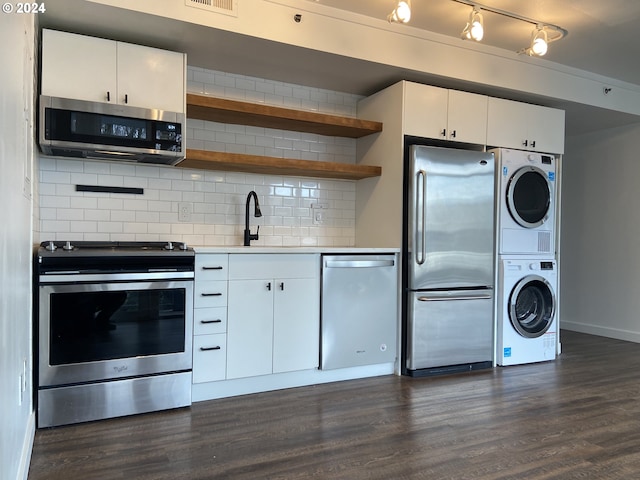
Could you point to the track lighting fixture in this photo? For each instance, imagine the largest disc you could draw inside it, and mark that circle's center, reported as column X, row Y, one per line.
column 541, row 37
column 402, row 12
column 475, row 26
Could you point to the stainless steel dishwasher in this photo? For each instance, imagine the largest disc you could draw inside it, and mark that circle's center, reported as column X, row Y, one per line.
column 359, row 316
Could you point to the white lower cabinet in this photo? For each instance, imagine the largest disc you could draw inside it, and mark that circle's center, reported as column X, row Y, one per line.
column 210, row 318
column 249, row 342
column 296, row 325
column 273, row 314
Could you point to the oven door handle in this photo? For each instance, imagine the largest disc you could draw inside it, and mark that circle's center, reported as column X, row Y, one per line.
column 70, row 277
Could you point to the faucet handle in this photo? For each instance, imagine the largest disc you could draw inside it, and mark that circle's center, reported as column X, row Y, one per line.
column 254, row 236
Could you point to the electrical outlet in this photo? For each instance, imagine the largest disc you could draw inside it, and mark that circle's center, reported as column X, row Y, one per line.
column 184, row 211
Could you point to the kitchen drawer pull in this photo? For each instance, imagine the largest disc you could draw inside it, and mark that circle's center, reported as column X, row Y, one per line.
column 281, row 285
column 211, row 294
column 212, row 268
column 207, row 349
column 217, row 320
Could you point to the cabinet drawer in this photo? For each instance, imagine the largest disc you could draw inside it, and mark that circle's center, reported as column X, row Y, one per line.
column 273, row 265
column 210, row 320
column 212, row 266
column 209, row 358
column 210, row 294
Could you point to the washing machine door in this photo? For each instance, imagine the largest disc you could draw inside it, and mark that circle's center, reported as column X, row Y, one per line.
column 531, row 306
column 529, row 197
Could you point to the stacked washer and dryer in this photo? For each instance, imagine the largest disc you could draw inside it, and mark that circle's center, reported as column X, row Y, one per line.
column 526, row 330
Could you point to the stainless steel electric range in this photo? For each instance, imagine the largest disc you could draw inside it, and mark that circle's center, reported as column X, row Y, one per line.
column 114, row 327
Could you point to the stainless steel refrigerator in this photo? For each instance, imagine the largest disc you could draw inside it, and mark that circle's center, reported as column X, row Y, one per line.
column 449, row 260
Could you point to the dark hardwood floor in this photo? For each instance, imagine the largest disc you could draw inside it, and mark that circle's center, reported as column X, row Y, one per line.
column 575, row 418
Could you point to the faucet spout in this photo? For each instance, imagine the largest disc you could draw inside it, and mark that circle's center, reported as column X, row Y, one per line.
column 248, row 236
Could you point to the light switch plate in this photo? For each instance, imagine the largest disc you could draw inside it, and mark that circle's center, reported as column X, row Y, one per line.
column 318, row 213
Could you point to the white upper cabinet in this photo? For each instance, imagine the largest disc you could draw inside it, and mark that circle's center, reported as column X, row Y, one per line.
column 467, row 119
column 425, row 110
column 433, row 112
column 78, row 67
column 524, row 126
column 150, row 77
column 99, row 70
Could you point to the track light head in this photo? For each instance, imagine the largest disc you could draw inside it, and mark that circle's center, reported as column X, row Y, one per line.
column 402, row 12
column 474, row 30
column 539, row 42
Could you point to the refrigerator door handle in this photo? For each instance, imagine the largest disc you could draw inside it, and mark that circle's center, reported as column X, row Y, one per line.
column 421, row 213
column 439, row 298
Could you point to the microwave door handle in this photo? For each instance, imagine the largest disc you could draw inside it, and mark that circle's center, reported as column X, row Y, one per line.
column 420, row 241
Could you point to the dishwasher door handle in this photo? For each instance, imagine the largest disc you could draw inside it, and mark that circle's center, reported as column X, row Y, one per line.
column 358, row 263
column 440, row 298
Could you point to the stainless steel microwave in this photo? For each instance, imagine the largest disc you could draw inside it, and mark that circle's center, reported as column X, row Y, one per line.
column 93, row 130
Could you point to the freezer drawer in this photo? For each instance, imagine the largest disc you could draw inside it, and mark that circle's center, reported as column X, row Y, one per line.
column 449, row 328
column 359, row 315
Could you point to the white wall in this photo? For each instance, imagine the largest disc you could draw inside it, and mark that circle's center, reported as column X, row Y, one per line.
column 600, row 231
column 217, row 198
column 17, row 424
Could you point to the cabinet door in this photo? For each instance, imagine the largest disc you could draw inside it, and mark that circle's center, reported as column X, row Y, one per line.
column 506, row 124
column 79, row 67
column 467, row 117
column 249, row 328
column 425, row 111
column 151, row 78
column 296, row 320
column 545, row 129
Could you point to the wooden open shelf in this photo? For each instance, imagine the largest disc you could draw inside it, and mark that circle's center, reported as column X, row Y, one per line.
column 236, row 162
column 203, row 107
column 214, row 109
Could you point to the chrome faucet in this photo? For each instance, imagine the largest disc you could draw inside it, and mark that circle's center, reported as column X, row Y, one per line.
column 248, row 236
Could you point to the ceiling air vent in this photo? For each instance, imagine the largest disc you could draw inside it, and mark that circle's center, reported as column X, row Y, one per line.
column 227, row 7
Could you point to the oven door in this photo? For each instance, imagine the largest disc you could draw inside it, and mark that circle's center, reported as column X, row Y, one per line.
column 102, row 331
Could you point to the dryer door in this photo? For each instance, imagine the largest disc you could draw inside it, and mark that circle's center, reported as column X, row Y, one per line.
column 531, row 306
column 529, row 197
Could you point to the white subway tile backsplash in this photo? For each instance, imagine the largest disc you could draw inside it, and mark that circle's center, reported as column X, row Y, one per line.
column 217, row 198
column 82, row 226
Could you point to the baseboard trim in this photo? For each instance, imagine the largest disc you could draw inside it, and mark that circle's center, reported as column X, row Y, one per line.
column 601, row 331
column 27, row 448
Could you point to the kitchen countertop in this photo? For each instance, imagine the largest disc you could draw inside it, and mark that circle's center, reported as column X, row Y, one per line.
column 267, row 249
